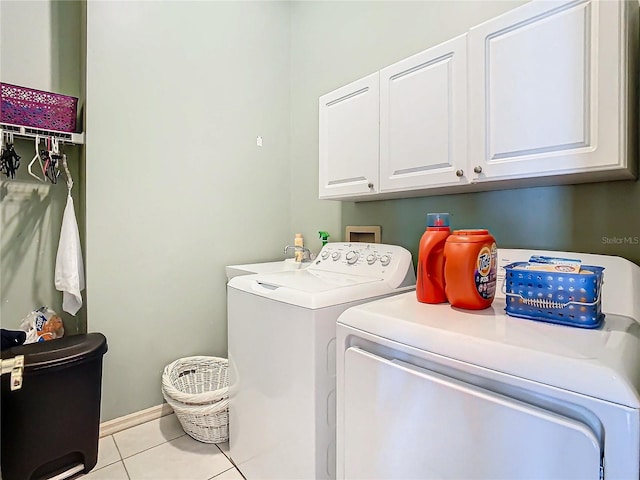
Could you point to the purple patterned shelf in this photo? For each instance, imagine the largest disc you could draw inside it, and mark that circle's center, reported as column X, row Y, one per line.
column 37, row 108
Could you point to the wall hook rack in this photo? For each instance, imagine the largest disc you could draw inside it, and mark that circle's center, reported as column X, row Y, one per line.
column 32, row 132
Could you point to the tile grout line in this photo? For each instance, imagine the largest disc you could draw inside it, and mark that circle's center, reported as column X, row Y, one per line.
column 126, row 472
column 117, row 448
column 122, row 458
column 218, row 474
column 106, row 464
column 231, row 461
column 125, row 469
column 148, row 448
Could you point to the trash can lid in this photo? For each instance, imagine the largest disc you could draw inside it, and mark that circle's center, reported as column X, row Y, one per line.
column 71, row 349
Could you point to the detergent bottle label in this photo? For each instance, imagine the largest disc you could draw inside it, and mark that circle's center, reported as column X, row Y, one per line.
column 486, row 271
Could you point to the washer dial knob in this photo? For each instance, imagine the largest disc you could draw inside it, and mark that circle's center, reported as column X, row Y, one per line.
column 371, row 259
column 385, row 260
column 352, row 257
column 325, row 254
column 335, row 256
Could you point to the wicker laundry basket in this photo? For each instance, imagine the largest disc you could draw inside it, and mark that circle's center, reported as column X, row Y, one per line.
column 197, row 388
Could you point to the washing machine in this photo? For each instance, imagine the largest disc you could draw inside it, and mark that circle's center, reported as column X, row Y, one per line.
column 282, row 351
column 431, row 391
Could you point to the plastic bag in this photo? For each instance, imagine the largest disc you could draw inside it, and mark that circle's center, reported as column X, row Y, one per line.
column 41, row 325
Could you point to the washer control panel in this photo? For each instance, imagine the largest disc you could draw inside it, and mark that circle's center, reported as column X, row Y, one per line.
column 390, row 263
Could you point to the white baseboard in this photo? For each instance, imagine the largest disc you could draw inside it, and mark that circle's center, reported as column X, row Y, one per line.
column 133, row 419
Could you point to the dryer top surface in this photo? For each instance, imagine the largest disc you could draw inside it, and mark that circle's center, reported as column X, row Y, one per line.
column 602, row 363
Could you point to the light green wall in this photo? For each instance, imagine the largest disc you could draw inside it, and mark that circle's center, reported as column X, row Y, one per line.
column 177, row 188
column 47, row 58
column 581, row 218
column 334, row 43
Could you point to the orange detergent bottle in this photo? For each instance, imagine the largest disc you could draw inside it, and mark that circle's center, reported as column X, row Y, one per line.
column 470, row 269
column 430, row 280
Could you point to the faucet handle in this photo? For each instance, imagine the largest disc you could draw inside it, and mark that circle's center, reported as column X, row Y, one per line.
column 306, row 254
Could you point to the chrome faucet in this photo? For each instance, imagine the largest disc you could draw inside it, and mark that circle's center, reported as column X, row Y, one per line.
column 306, row 253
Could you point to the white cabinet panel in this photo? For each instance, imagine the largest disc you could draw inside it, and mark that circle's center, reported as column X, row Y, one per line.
column 349, row 139
column 546, row 95
column 549, row 96
column 423, row 127
column 404, row 422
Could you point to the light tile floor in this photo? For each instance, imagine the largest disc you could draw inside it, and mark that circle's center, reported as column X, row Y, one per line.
column 160, row 450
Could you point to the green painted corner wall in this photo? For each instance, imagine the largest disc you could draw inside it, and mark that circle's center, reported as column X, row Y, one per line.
column 191, row 190
column 595, row 218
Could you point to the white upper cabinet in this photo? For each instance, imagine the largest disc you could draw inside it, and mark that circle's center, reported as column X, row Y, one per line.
column 544, row 94
column 423, row 119
column 548, row 92
column 349, row 139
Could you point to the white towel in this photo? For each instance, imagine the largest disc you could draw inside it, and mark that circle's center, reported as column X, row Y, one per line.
column 69, row 274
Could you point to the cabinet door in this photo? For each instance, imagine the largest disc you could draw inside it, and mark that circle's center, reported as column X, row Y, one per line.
column 423, row 119
column 349, row 139
column 546, row 91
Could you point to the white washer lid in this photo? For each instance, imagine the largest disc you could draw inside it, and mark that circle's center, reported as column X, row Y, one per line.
column 308, row 281
column 313, row 288
column 602, row 363
column 313, row 281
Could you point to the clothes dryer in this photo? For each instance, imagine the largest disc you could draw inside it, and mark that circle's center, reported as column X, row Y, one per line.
column 431, row 391
column 281, row 331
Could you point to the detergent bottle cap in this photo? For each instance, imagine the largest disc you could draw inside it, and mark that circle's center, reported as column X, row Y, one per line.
column 440, row 220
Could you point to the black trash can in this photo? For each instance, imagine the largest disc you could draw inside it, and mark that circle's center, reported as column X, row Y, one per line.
column 52, row 423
